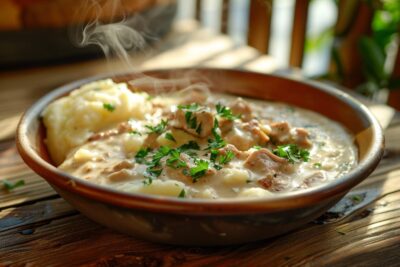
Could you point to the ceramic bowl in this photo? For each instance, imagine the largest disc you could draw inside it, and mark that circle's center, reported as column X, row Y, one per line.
column 212, row 222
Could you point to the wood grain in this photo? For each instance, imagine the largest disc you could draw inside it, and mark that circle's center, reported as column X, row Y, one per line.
column 37, row 228
column 259, row 25
column 298, row 33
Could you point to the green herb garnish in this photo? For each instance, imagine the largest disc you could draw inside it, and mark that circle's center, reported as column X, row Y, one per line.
column 109, row 107
column 199, row 170
column 133, row 132
column 257, row 147
column 317, row 165
column 188, row 146
column 191, row 120
column 159, row 128
column 292, row 153
column 170, row 137
column 174, row 160
column 191, row 107
column 224, row 159
column 218, row 142
column 9, row 186
column 141, row 155
column 182, row 194
column 226, row 112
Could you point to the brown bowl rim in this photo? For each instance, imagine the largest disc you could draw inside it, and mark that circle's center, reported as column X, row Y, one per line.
column 284, row 201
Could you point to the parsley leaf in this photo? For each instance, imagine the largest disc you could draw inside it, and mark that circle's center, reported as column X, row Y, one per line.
column 317, row 165
column 188, row 146
column 9, row 186
column 133, row 132
column 292, row 153
column 141, row 155
column 174, row 160
column 218, row 142
column 224, row 159
column 159, row 128
column 257, row 147
column 109, row 107
column 182, row 194
column 191, row 120
column 226, row 112
column 191, row 107
column 199, row 170
column 170, row 137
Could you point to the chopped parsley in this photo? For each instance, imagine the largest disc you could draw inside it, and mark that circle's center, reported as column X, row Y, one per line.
column 9, row 186
column 159, row 128
column 199, row 170
column 191, row 121
column 170, row 137
column 182, row 194
column 174, row 160
column 224, row 159
column 141, row 155
column 226, row 112
column 133, row 132
column 292, row 153
column 218, row 142
column 191, row 107
column 188, row 146
column 257, row 147
column 317, row 165
column 109, row 107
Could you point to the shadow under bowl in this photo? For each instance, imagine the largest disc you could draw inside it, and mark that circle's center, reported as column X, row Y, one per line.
column 212, row 222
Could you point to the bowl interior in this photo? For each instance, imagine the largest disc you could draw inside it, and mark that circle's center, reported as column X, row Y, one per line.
column 323, row 99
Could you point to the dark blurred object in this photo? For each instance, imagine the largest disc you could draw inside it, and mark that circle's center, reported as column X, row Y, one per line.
column 48, row 41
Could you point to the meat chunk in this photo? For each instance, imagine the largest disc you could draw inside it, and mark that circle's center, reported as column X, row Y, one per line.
column 314, row 179
column 276, row 182
column 122, row 128
column 241, row 107
column 264, row 160
column 280, row 132
column 253, row 126
column 241, row 139
column 238, row 154
column 225, row 125
column 198, row 123
column 300, row 136
column 124, row 164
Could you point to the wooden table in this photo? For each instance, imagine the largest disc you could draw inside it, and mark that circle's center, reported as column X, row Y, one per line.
column 38, row 228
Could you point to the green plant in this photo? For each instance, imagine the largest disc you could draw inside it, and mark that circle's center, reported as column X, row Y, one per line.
column 374, row 48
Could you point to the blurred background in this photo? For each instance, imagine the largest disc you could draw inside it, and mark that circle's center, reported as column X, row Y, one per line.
column 352, row 43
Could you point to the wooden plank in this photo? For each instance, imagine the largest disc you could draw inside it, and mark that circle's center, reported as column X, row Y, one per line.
column 225, row 16
column 298, row 33
column 198, row 9
column 394, row 95
column 16, row 217
column 259, row 25
column 373, row 231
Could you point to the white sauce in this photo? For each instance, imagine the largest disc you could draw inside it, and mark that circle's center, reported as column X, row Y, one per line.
column 108, row 158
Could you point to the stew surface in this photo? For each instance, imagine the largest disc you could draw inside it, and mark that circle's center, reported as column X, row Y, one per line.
column 193, row 143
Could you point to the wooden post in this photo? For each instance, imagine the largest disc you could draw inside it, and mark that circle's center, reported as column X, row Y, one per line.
column 354, row 21
column 394, row 95
column 197, row 13
column 259, row 24
column 224, row 16
column 298, row 33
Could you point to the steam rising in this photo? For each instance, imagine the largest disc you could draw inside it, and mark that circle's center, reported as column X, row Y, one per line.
column 114, row 38
column 118, row 38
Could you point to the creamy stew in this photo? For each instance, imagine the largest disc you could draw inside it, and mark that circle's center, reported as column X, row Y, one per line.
column 193, row 143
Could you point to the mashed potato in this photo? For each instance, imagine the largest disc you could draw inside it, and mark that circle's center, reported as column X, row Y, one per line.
column 71, row 120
